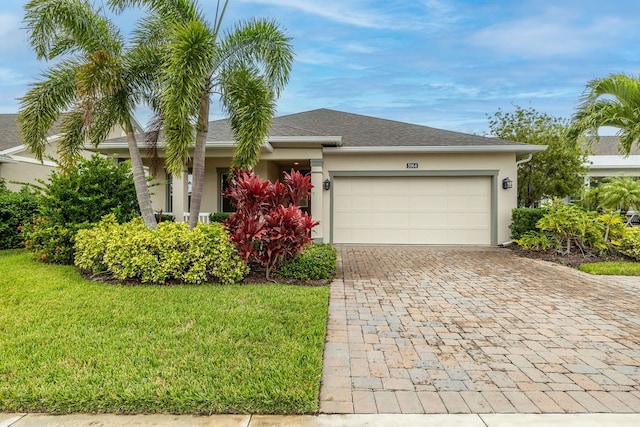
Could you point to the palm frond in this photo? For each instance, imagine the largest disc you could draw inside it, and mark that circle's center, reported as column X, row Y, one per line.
column 43, row 103
column 258, row 44
column 58, row 27
column 184, row 82
column 250, row 103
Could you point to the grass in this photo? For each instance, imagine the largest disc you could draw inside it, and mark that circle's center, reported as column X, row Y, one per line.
column 618, row 268
column 71, row 345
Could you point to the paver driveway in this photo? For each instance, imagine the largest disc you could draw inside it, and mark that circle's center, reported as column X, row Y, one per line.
column 416, row 329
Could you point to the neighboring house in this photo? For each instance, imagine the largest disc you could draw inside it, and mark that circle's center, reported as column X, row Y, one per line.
column 606, row 161
column 17, row 164
column 375, row 180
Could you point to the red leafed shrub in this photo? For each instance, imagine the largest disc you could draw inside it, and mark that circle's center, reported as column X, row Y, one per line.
column 268, row 226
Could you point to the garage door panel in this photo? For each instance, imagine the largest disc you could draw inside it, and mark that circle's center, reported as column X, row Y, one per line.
column 414, row 210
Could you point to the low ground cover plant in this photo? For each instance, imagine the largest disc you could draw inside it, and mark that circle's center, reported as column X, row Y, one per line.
column 171, row 253
column 72, row 345
column 315, row 262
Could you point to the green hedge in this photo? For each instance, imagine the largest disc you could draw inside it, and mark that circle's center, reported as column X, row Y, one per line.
column 218, row 216
column 524, row 220
column 171, row 253
column 16, row 210
column 316, row 262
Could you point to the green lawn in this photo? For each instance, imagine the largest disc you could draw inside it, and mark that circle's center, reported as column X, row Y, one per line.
column 622, row 268
column 71, row 345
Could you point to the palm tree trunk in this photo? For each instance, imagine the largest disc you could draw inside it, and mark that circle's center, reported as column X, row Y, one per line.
column 140, row 180
column 199, row 158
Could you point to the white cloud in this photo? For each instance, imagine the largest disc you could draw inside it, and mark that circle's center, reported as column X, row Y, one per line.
column 554, row 32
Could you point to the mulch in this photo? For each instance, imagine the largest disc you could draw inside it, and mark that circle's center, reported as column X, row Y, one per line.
column 573, row 260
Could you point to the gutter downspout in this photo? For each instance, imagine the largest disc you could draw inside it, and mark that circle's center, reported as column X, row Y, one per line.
column 525, row 160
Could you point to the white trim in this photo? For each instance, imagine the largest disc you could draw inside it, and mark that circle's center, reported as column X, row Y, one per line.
column 336, row 140
column 439, row 149
column 33, row 161
column 613, row 162
column 16, row 149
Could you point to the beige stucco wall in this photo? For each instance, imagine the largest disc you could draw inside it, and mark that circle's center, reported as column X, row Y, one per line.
column 24, row 172
column 504, row 163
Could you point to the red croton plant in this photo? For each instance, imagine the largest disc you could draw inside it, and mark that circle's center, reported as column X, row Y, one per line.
column 268, row 226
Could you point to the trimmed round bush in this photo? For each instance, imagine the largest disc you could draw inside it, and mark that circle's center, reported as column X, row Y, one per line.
column 171, row 253
column 316, row 262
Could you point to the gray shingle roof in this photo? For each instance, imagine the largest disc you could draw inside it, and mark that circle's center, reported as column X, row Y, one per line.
column 608, row 146
column 360, row 131
column 10, row 135
column 357, row 131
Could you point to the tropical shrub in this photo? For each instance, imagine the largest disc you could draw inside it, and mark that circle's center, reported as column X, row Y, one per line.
column 537, row 240
column 571, row 226
column 315, row 262
column 171, row 253
column 524, row 220
column 16, row 210
column 268, row 226
column 72, row 200
column 630, row 243
column 90, row 190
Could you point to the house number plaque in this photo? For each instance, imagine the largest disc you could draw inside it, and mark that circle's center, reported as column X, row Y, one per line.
column 412, row 165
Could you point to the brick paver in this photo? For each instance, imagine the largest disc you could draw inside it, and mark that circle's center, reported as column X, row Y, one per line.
column 417, row 329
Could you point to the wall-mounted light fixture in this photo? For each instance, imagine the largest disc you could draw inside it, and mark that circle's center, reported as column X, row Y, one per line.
column 326, row 184
column 507, row 183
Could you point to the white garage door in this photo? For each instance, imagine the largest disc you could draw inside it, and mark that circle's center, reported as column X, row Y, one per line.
column 412, row 210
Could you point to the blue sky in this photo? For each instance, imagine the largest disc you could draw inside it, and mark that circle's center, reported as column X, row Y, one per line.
column 441, row 63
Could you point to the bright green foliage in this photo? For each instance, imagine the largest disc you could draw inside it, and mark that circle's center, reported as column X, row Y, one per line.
column 537, row 240
column 16, row 209
column 617, row 268
column 69, row 345
column 630, row 243
column 172, row 253
column 572, row 226
column 554, row 172
column 316, row 262
column 524, row 220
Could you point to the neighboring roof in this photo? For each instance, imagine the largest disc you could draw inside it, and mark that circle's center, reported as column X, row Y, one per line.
column 608, row 146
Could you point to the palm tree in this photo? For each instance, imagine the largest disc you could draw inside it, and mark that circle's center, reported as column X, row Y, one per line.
column 246, row 69
column 93, row 86
column 611, row 101
column 621, row 193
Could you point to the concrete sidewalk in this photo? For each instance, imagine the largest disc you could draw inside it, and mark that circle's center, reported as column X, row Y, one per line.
column 460, row 420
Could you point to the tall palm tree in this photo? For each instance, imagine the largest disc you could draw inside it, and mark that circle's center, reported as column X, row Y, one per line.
column 94, row 85
column 611, row 101
column 621, row 193
column 246, row 69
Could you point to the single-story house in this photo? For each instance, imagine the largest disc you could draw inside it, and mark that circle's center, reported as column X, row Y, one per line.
column 375, row 180
column 18, row 165
column 605, row 160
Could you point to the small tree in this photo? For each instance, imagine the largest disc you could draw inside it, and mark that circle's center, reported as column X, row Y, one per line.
column 268, row 226
column 554, row 172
